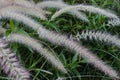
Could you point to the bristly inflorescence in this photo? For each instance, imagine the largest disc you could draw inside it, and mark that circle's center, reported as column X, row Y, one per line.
column 114, row 20
column 27, row 40
column 97, row 35
column 9, row 62
column 61, row 5
column 20, row 10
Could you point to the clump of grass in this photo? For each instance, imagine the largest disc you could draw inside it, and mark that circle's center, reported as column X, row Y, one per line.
column 54, row 37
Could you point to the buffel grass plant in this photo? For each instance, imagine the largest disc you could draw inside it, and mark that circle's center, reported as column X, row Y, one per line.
column 23, row 11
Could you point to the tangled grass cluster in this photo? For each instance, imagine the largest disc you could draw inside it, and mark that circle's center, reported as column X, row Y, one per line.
column 21, row 11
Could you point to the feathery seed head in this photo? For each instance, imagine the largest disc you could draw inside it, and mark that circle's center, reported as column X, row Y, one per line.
column 98, row 35
column 39, row 48
column 10, row 64
column 76, row 47
column 61, row 5
column 85, row 8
